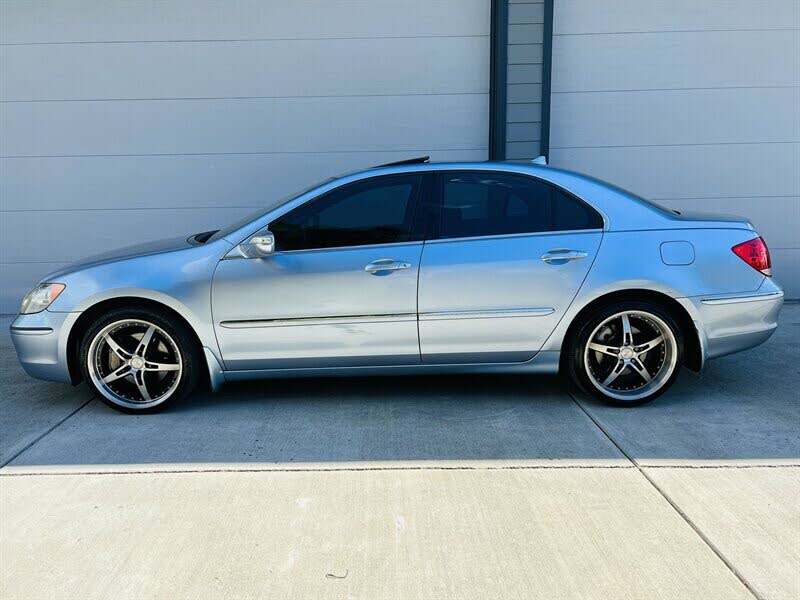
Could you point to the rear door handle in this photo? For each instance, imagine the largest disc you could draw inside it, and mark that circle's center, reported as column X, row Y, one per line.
column 386, row 264
column 560, row 256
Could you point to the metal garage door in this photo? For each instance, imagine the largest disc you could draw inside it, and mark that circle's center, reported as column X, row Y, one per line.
column 124, row 121
column 695, row 104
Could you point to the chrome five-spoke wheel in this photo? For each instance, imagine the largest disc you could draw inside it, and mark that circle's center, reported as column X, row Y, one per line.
column 630, row 355
column 134, row 363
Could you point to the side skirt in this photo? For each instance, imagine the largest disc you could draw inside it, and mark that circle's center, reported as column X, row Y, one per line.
column 542, row 363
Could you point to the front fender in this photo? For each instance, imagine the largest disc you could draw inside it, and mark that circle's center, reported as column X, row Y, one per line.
column 179, row 280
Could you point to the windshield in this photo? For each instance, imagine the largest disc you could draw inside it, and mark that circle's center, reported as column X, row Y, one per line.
column 264, row 210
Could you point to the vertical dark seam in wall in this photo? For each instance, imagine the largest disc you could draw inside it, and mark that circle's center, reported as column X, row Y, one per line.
column 547, row 68
column 498, row 80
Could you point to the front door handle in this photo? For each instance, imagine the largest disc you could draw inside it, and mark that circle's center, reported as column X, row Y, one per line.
column 560, row 256
column 383, row 265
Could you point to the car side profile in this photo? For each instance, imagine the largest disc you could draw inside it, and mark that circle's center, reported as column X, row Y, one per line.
column 413, row 268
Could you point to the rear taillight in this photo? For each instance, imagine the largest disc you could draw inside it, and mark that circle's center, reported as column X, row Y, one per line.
column 756, row 254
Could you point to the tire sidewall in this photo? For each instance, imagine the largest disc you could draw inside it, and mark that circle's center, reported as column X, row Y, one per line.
column 575, row 358
column 180, row 334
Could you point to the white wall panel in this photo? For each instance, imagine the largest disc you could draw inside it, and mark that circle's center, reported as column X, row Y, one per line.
column 721, row 171
column 181, row 181
column 696, row 104
column 53, row 21
column 130, row 120
column 112, row 228
column 340, row 67
column 717, row 116
column 676, row 60
column 616, row 16
column 336, row 124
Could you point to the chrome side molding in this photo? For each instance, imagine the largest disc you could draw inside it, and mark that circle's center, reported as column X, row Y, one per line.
column 354, row 319
column 486, row 314
column 299, row 321
column 738, row 298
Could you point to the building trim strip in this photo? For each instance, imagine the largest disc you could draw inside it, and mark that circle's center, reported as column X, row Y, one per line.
column 498, row 80
column 547, row 70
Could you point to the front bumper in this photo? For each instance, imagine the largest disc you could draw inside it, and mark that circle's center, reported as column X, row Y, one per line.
column 41, row 344
column 730, row 323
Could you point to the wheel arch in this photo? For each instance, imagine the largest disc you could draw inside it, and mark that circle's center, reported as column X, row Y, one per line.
column 88, row 316
column 693, row 353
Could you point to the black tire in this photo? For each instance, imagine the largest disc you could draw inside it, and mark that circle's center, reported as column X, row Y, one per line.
column 175, row 341
column 580, row 363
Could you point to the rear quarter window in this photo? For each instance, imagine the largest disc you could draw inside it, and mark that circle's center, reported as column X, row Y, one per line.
column 572, row 213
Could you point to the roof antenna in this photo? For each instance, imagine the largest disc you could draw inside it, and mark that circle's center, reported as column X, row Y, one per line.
column 540, row 160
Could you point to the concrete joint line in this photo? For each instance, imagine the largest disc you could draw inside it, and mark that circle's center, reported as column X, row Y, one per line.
column 311, row 470
column 712, row 466
column 669, row 500
column 46, row 433
column 369, row 469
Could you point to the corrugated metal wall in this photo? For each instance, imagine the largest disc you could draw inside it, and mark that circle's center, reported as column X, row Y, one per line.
column 694, row 104
column 134, row 120
column 524, row 95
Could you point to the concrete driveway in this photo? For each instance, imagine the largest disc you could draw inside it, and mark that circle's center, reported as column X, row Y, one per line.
column 409, row 488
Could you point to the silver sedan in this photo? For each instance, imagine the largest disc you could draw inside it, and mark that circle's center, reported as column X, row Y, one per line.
column 412, row 268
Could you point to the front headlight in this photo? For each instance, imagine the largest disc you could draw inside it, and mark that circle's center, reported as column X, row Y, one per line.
column 40, row 297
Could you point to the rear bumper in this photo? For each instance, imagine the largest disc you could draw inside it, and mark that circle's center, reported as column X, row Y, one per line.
column 733, row 322
column 41, row 344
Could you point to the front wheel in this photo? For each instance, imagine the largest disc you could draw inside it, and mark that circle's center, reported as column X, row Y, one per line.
column 137, row 360
column 626, row 354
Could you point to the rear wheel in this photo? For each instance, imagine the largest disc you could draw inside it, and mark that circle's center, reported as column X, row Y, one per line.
column 137, row 360
column 627, row 353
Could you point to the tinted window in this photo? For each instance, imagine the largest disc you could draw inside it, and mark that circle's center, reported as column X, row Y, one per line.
column 571, row 214
column 262, row 211
column 479, row 204
column 374, row 211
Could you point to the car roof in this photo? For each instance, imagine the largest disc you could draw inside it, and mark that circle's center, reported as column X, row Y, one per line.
column 624, row 209
column 621, row 211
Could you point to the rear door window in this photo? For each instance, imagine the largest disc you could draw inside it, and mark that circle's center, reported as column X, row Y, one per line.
column 485, row 203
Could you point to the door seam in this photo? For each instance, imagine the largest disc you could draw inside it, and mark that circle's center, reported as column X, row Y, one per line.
column 419, row 273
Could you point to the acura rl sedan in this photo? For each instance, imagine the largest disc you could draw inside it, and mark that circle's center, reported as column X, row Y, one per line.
column 412, row 268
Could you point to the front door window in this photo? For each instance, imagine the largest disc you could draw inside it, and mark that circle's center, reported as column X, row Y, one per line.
column 379, row 210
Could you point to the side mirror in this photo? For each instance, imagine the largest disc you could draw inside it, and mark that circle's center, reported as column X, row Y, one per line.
column 258, row 246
